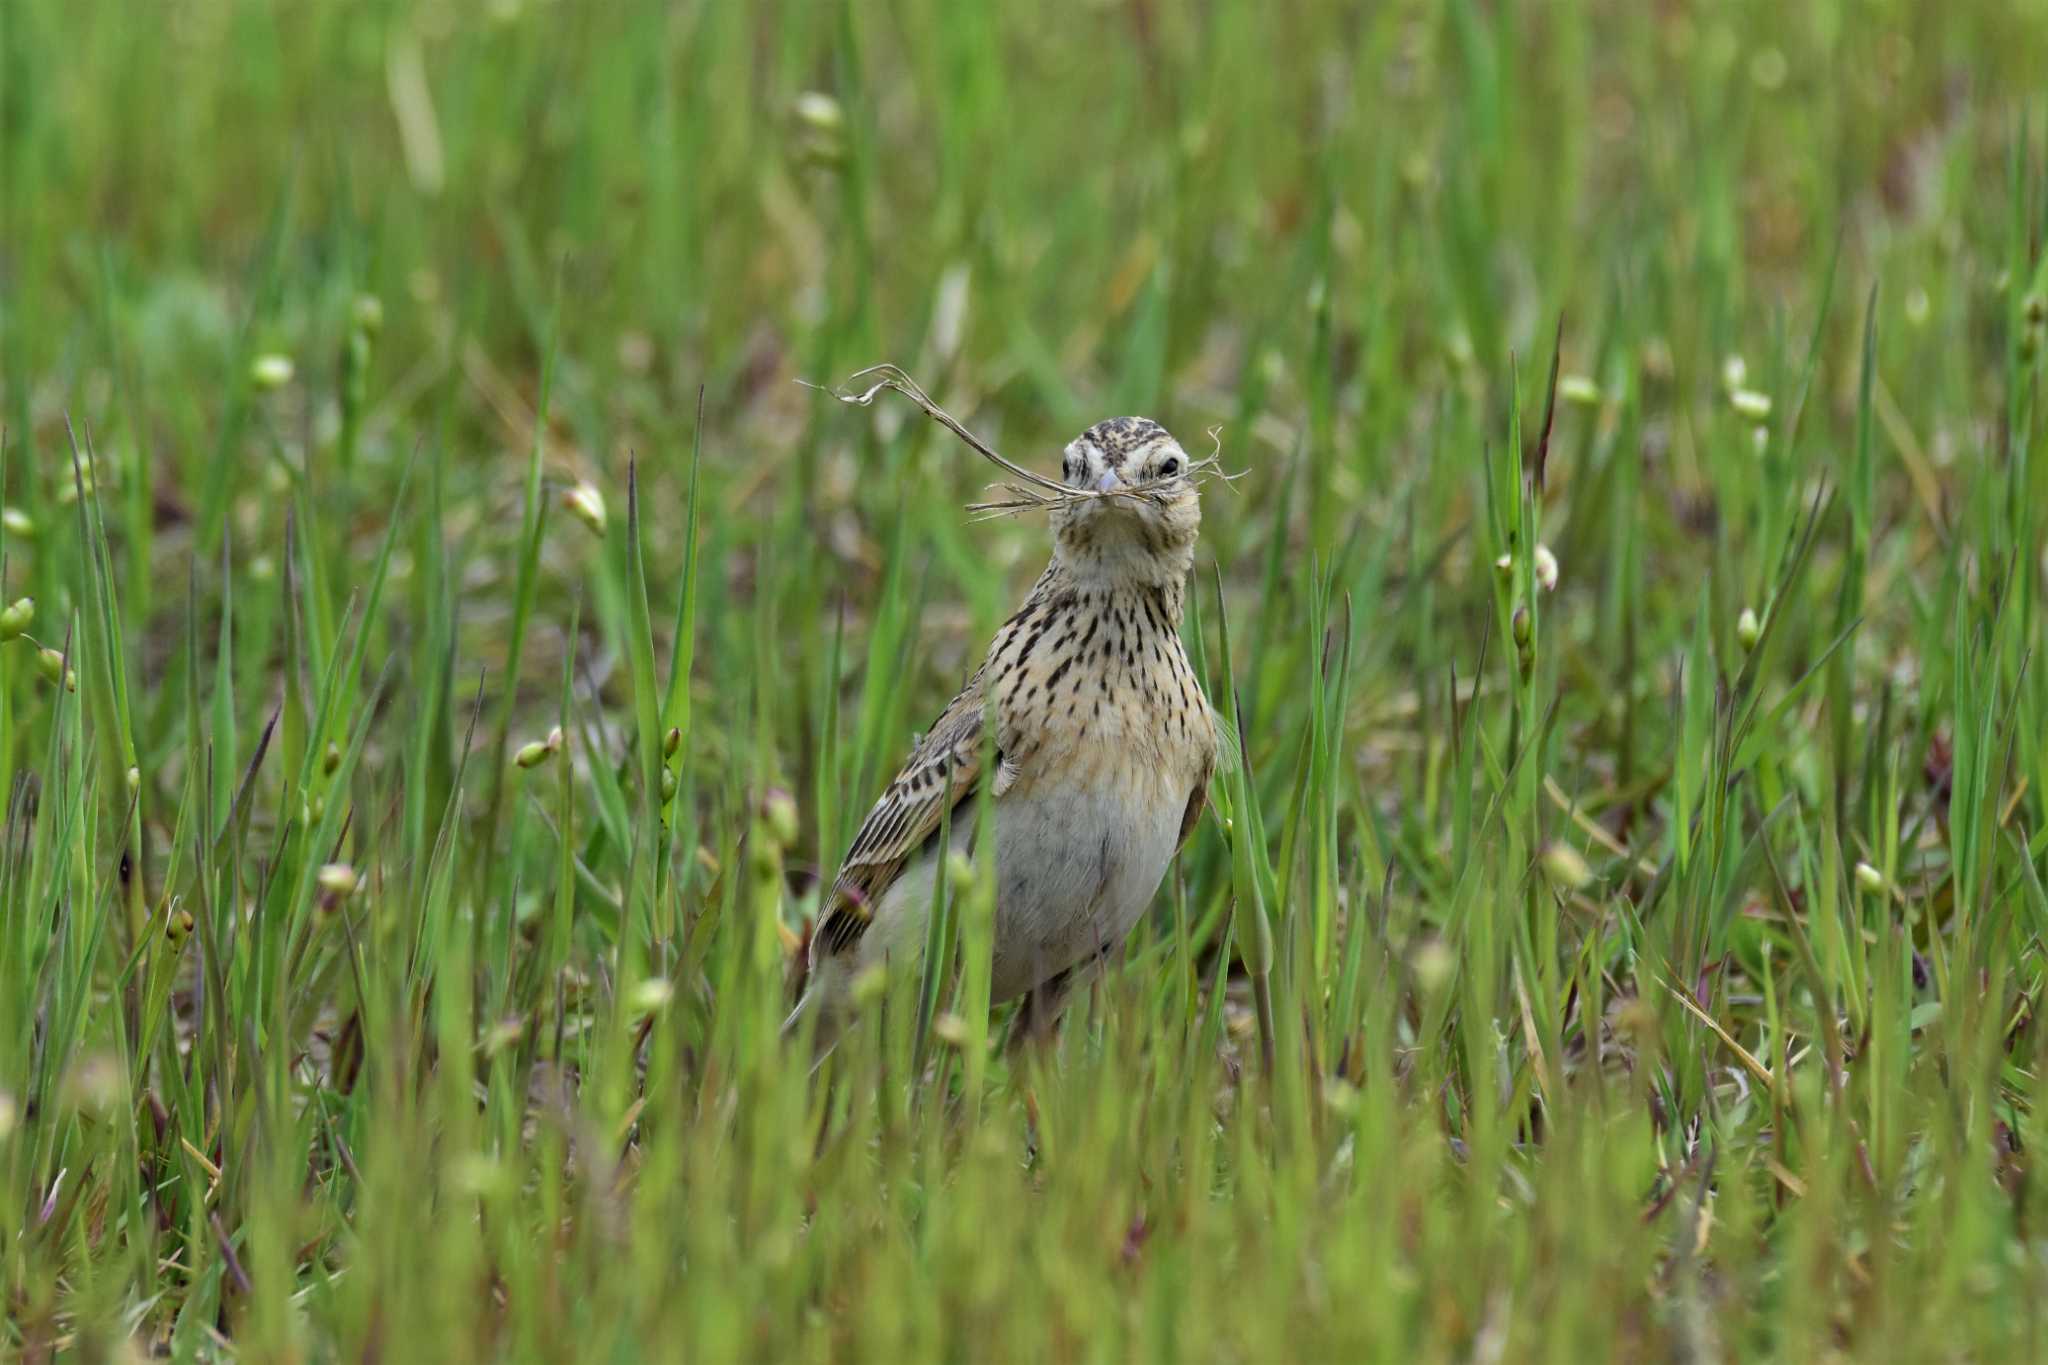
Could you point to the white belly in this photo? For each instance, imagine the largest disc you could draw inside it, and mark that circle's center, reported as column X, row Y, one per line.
column 1075, row 868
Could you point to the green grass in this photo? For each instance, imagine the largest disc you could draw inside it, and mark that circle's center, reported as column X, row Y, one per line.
column 1648, row 968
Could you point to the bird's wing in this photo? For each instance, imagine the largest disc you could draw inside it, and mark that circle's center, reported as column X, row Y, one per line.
column 1192, row 816
column 939, row 774
column 1199, row 797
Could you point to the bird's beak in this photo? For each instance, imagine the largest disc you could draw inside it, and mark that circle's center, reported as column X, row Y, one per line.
column 1109, row 482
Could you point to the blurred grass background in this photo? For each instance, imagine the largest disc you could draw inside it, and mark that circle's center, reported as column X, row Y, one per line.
column 1656, row 959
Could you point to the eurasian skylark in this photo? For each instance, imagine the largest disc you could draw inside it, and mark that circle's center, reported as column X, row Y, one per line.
column 1104, row 746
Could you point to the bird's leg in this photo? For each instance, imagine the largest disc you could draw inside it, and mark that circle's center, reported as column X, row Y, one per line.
column 1036, row 1022
column 1034, row 1029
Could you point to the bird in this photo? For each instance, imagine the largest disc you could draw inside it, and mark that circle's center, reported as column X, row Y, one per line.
column 1103, row 750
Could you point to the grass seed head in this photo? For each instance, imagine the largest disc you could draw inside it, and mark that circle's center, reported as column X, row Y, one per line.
column 870, row 985
column 1748, row 629
column 653, row 995
column 1434, row 964
column 820, row 128
column 51, row 665
column 1566, row 867
column 271, row 371
column 367, row 313
column 338, row 880
column 1751, row 403
column 586, row 504
column 539, row 751
column 1578, row 390
column 505, row 1033
column 95, row 1083
column 85, row 483
column 779, row 816
column 959, row 870
column 818, row 111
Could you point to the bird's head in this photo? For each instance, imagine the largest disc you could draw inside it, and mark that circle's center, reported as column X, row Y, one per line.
column 1142, row 518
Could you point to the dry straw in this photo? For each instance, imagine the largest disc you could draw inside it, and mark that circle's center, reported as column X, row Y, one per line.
column 1031, row 491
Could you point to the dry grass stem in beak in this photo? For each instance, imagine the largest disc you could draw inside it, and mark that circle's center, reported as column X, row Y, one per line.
column 1033, row 492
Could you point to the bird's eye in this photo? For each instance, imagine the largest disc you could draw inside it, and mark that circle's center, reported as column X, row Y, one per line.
column 1169, row 469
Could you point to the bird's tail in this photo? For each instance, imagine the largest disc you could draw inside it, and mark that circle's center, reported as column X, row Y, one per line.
column 823, row 1002
column 808, row 1004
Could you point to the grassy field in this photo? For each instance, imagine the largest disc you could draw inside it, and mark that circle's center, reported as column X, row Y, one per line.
column 458, row 647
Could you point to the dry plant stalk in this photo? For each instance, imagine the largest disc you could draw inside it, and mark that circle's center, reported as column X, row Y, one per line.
column 1033, row 492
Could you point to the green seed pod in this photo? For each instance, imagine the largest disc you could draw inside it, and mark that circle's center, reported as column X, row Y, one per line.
column 1433, row 964
column 869, row 986
column 668, row 786
column 652, row 995
column 1754, row 405
column 959, row 870
column 367, row 313
column 818, row 111
column 820, row 129
column 16, row 619
column 586, row 504
column 271, row 371
column 779, row 813
column 534, row 754
column 1566, row 866
column 51, row 665
column 338, row 879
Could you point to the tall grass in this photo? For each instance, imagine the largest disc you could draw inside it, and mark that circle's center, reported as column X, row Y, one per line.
column 420, row 766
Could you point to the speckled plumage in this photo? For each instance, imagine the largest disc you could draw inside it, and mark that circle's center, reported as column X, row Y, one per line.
column 1104, row 745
